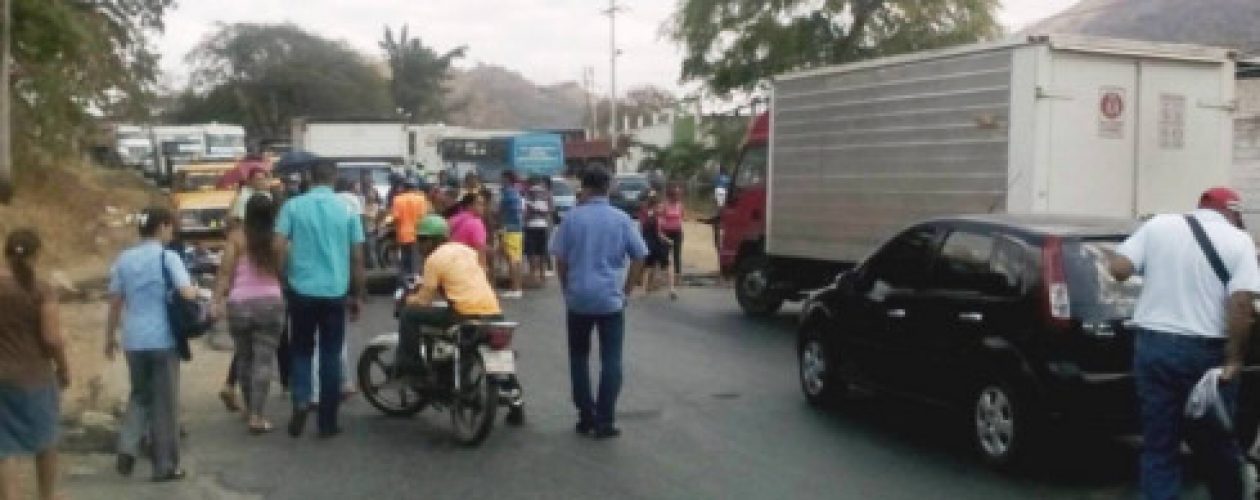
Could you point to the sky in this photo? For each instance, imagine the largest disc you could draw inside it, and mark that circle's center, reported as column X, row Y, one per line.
column 548, row 41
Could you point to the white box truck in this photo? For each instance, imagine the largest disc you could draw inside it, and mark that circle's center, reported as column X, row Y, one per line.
column 1047, row 124
column 385, row 141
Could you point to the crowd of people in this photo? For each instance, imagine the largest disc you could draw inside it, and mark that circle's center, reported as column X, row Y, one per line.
column 292, row 275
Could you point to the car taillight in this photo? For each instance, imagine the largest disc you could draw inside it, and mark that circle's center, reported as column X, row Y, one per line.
column 499, row 335
column 1058, row 300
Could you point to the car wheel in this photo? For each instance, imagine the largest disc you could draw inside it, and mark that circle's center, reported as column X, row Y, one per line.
column 819, row 369
column 752, row 288
column 1001, row 424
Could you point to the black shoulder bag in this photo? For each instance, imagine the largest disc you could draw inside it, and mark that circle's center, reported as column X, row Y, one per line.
column 184, row 315
column 1208, row 250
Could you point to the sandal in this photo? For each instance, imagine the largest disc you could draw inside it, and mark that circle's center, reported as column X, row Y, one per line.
column 229, row 400
column 262, row 428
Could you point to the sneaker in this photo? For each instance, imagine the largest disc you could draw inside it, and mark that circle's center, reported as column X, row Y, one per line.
column 516, row 415
column 549, row 273
column 125, row 465
column 513, row 294
column 297, row 424
column 607, row 432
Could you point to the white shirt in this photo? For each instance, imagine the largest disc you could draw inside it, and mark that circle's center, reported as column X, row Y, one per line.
column 354, row 203
column 1181, row 294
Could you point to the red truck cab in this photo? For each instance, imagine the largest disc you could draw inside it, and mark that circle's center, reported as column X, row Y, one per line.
column 743, row 223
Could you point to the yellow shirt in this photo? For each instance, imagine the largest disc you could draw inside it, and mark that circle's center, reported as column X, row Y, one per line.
column 455, row 269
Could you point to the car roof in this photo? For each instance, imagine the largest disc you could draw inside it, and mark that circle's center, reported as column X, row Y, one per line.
column 1047, row 224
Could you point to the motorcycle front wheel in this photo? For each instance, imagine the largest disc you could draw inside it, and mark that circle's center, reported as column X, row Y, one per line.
column 475, row 402
column 382, row 389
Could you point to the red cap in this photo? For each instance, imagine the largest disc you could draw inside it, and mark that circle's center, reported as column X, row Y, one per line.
column 1221, row 198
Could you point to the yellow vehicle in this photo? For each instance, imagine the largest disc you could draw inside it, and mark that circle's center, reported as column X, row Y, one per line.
column 201, row 205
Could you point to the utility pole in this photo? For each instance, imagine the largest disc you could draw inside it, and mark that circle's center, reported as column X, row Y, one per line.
column 6, row 106
column 613, row 52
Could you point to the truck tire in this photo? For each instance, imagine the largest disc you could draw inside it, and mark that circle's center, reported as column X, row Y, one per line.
column 752, row 288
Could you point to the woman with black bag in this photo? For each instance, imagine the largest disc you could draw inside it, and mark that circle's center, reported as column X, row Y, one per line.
column 141, row 280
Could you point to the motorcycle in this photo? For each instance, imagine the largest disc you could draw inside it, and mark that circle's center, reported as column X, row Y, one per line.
column 385, row 243
column 471, row 369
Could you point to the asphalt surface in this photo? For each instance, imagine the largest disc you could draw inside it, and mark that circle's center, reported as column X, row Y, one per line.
column 711, row 409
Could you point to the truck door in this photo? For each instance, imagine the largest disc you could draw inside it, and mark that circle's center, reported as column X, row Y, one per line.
column 1091, row 130
column 743, row 217
column 1183, row 133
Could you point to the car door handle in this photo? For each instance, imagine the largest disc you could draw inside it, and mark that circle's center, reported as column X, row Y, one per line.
column 971, row 317
column 896, row 313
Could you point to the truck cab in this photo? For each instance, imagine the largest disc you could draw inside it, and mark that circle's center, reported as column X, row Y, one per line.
column 743, row 225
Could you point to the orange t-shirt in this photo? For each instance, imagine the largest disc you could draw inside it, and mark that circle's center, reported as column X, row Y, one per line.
column 408, row 209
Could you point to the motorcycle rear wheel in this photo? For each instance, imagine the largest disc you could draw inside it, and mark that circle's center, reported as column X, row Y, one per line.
column 474, row 406
column 381, row 388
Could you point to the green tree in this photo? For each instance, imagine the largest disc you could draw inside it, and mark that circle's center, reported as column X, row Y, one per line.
column 737, row 44
column 418, row 75
column 73, row 60
column 264, row 75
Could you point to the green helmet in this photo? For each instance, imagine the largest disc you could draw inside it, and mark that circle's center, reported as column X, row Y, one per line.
column 432, row 226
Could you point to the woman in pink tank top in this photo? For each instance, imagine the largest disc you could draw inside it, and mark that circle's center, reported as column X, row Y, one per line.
column 671, row 221
column 248, row 289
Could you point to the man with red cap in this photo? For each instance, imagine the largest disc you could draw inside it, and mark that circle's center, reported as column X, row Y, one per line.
column 1200, row 276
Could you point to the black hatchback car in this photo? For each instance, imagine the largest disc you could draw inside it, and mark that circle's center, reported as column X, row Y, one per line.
column 1013, row 319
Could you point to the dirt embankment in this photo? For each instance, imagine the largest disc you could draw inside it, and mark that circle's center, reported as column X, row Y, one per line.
column 81, row 213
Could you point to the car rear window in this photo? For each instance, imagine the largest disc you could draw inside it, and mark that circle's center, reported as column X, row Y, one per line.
column 1095, row 295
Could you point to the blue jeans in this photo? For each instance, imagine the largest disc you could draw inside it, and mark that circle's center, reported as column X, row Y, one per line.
column 313, row 316
column 1166, row 368
column 599, row 412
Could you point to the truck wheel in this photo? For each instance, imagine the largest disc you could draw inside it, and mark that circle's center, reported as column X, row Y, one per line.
column 752, row 288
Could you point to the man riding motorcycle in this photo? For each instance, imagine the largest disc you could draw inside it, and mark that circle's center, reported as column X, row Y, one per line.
column 452, row 270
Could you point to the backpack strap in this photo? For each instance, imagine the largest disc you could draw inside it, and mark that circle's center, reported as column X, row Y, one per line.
column 1208, row 250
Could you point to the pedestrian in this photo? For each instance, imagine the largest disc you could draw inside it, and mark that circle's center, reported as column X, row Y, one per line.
column 538, row 216
column 593, row 248
column 409, row 207
column 511, row 232
column 323, row 261
column 452, row 271
column 468, row 226
column 658, row 246
column 140, row 281
column 248, row 293
column 672, row 216
column 257, row 180
column 1194, row 313
column 33, row 368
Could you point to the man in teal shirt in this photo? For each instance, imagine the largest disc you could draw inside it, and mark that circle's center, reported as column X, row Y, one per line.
column 321, row 243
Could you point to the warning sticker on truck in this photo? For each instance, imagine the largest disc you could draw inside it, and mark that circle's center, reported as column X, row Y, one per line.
column 1111, row 104
column 1172, row 121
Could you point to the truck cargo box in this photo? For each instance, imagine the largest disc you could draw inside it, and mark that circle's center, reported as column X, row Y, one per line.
column 1047, row 124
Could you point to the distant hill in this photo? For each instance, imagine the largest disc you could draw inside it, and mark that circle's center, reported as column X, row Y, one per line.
column 1223, row 23
column 493, row 97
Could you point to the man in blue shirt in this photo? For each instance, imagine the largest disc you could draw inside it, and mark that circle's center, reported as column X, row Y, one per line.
column 512, row 235
column 321, row 243
column 138, row 285
column 593, row 248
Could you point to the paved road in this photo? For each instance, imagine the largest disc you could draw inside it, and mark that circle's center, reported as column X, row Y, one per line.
column 711, row 409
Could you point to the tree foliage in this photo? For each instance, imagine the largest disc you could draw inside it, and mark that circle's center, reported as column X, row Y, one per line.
column 73, row 59
column 264, row 75
column 738, row 44
column 418, row 75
